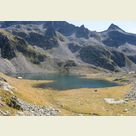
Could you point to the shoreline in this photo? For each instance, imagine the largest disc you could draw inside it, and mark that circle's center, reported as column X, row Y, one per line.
column 83, row 101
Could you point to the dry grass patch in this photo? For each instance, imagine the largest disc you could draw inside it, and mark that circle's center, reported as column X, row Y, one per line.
column 24, row 89
column 76, row 101
column 88, row 101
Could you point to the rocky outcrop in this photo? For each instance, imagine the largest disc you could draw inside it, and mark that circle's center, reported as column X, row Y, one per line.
column 61, row 26
column 74, row 47
column 6, row 46
column 98, row 56
column 51, row 39
column 4, row 85
column 82, row 32
column 26, row 109
column 4, row 113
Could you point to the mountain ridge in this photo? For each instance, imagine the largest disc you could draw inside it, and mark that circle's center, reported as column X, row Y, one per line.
column 45, row 45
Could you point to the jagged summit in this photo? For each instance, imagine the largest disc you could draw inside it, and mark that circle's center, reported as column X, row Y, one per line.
column 82, row 32
column 114, row 27
column 82, row 26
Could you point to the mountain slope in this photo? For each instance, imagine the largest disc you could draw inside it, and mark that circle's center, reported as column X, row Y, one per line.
column 57, row 46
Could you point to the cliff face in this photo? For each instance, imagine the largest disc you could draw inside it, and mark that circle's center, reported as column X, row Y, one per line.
column 41, row 46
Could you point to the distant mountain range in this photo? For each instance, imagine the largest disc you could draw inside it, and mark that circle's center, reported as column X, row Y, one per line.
column 58, row 46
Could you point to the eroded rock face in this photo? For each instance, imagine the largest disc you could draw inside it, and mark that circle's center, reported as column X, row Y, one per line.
column 117, row 39
column 6, row 47
column 11, row 46
column 98, row 56
column 82, row 32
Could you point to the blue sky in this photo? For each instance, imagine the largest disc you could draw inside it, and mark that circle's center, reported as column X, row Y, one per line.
column 128, row 26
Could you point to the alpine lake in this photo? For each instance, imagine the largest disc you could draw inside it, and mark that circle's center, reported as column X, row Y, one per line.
column 62, row 82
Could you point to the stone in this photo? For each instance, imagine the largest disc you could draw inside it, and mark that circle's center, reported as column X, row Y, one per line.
column 125, row 110
column 95, row 90
column 6, row 87
column 15, row 103
column 5, row 113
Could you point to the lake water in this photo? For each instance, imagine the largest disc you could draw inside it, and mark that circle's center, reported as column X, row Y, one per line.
column 64, row 82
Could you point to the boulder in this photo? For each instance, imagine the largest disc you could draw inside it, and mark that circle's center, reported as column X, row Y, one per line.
column 6, row 87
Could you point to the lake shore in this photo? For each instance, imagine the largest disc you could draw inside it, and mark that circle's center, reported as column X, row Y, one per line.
column 85, row 101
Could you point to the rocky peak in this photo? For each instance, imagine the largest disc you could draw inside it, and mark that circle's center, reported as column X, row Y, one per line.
column 61, row 26
column 82, row 27
column 82, row 32
column 114, row 27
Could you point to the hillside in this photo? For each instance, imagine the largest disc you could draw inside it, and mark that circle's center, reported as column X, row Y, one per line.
column 58, row 46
